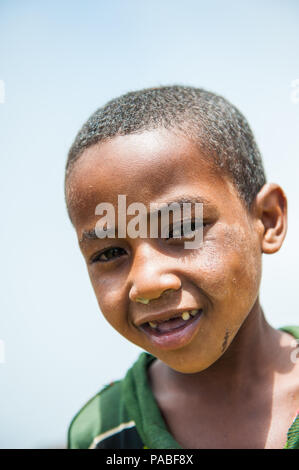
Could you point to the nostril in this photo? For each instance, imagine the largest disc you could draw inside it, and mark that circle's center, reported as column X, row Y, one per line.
column 169, row 290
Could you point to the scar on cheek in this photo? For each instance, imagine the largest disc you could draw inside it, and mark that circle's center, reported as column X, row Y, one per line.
column 224, row 344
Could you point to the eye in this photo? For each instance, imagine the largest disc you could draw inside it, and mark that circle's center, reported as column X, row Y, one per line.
column 108, row 255
column 178, row 229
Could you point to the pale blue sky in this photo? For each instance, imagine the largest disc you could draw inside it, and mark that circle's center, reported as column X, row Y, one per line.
column 60, row 60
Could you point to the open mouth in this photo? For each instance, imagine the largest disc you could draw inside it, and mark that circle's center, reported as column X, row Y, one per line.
column 177, row 321
column 173, row 332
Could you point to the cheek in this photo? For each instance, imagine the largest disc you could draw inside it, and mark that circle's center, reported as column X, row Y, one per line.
column 229, row 266
column 108, row 295
column 244, row 258
column 112, row 302
column 228, row 271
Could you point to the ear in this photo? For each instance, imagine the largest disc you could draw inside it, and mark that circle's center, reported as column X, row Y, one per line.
column 271, row 210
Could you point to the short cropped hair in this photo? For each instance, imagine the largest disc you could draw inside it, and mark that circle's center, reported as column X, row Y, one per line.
column 219, row 128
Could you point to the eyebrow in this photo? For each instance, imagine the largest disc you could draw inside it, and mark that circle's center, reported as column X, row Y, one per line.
column 88, row 235
column 182, row 199
column 185, row 200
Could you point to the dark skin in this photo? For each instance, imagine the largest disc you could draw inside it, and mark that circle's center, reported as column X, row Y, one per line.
column 233, row 384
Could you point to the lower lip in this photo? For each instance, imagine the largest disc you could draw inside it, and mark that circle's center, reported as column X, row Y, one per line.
column 176, row 338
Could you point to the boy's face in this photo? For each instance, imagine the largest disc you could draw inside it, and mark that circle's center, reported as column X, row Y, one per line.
column 220, row 278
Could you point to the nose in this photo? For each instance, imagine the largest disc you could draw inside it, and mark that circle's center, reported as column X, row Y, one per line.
column 150, row 275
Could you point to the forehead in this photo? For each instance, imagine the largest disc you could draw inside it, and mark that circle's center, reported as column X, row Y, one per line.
column 152, row 166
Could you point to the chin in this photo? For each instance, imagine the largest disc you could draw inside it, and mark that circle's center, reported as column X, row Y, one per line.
column 182, row 365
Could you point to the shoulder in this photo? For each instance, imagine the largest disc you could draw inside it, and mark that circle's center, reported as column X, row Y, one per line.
column 90, row 421
column 293, row 432
column 106, row 420
column 291, row 329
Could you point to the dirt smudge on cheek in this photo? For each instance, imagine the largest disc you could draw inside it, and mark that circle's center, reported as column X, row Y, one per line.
column 225, row 340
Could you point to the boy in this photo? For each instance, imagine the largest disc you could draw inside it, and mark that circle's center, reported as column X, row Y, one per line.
column 214, row 373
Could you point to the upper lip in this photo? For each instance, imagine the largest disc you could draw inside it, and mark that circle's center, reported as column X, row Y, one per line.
column 162, row 316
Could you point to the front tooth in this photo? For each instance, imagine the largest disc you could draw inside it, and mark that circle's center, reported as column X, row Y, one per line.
column 194, row 312
column 153, row 324
column 185, row 316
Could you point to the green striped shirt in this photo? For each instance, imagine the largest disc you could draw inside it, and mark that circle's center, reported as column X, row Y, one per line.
column 124, row 415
